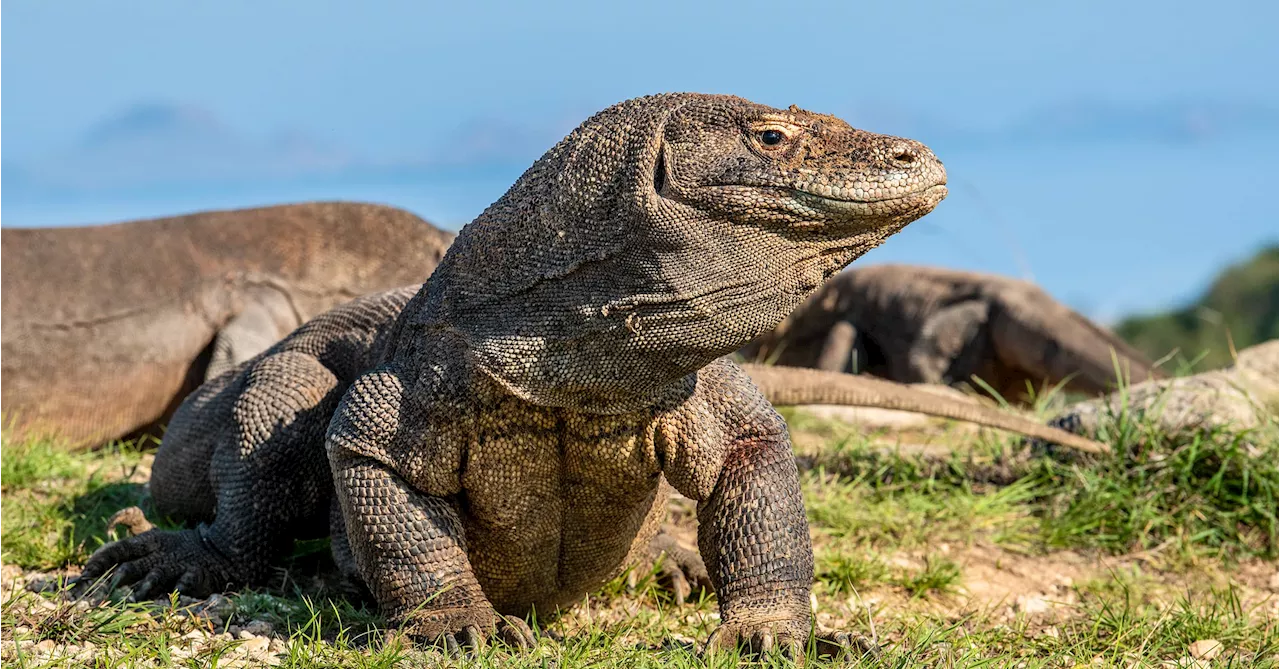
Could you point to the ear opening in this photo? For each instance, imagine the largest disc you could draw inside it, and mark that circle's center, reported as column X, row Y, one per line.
column 660, row 171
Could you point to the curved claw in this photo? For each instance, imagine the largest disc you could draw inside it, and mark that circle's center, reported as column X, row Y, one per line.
column 840, row 644
column 783, row 637
column 516, row 632
column 466, row 633
column 133, row 519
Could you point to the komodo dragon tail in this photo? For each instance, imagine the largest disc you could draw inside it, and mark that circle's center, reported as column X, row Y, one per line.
column 788, row 386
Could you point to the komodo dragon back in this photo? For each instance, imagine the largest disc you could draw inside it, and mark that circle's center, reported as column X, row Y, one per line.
column 106, row 328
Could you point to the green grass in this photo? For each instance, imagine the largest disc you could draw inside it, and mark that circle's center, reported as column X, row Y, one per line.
column 890, row 533
column 55, row 504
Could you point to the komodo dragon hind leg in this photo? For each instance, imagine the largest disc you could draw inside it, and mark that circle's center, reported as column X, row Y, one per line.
column 951, row 345
column 681, row 570
column 271, row 486
column 255, row 329
column 839, row 349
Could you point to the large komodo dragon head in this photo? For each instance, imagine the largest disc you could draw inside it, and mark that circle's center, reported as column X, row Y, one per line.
column 663, row 232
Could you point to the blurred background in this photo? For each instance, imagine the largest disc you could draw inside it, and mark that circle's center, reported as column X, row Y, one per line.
column 1121, row 154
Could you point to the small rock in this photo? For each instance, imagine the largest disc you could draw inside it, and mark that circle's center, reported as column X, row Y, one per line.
column 1030, row 604
column 244, row 634
column 259, row 627
column 256, row 645
column 216, row 605
column 1205, row 649
column 43, row 583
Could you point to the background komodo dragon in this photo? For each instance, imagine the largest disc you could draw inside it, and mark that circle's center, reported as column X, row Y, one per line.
column 504, row 452
column 932, row 325
column 106, row 328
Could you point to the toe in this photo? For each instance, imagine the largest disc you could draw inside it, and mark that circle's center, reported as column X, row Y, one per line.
column 451, row 647
column 132, row 518
column 723, row 638
column 472, row 638
column 678, row 584
column 762, row 641
column 129, row 573
column 150, row 587
column 516, row 632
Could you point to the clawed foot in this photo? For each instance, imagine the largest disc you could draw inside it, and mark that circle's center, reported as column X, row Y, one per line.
column 787, row 638
column 835, row 643
column 465, row 630
column 680, row 570
column 157, row 561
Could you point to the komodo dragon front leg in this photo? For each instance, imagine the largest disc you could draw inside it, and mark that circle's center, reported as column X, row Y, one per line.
column 752, row 530
column 407, row 541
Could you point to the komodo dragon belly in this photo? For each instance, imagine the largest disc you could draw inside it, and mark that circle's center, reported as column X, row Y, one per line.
column 553, row 502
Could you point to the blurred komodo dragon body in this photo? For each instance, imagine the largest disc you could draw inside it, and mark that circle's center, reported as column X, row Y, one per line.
column 106, row 328
column 501, row 450
column 932, row 325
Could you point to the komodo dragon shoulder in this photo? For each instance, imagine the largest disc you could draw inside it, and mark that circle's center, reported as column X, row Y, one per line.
column 106, row 328
column 503, row 452
column 933, row 325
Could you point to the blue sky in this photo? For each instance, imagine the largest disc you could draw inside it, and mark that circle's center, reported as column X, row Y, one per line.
column 384, row 76
column 398, row 80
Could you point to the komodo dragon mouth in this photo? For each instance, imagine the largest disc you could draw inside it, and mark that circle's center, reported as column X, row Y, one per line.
column 927, row 196
column 854, row 202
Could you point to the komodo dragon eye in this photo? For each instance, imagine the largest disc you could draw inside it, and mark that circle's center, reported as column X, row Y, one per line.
column 772, row 137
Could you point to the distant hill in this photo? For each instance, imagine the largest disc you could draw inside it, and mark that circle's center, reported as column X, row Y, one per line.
column 1240, row 308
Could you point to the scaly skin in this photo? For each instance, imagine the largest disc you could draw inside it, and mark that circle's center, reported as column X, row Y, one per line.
column 504, row 451
column 106, row 328
column 243, row 460
column 932, row 325
column 1240, row 397
column 214, row 454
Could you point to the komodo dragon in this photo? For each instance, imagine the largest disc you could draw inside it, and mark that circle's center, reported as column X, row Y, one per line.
column 504, row 452
column 932, row 325
column 106, row 328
